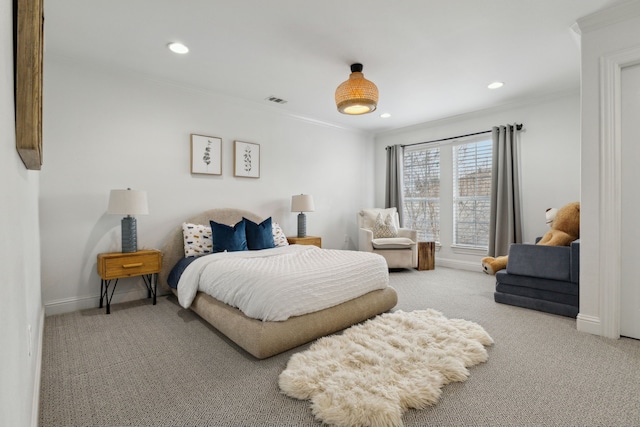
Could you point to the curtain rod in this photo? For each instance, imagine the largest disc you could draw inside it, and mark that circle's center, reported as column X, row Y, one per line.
column 518, row 127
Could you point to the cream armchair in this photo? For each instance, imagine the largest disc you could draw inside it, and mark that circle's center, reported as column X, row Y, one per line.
column 400, row 251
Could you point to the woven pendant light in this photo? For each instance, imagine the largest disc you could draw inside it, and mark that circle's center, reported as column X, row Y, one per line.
column 357, row 95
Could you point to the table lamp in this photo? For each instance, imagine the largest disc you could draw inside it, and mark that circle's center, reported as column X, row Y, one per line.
column 302, row 203
column 128, row 202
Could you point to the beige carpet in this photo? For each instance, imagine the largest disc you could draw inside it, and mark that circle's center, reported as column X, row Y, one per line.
column 373, row 372
column 146, row 365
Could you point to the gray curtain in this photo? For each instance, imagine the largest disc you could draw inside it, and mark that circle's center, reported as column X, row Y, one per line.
column 393, row 189
column 506, row 221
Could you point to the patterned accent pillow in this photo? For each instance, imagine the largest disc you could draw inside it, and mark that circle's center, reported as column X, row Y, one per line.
column 386, row 228
column 369, row 216
column 279, row 239
column 197, row 239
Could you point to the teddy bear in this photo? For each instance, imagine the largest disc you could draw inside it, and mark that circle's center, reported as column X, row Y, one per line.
column 565, row 228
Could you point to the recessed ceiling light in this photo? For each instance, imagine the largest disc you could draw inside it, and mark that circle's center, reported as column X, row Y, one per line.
column 385, row 115
column 495, row 85
column 178, row 48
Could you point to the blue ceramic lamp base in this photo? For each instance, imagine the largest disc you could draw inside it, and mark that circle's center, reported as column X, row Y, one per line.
column 302, row 225
column 129, row 234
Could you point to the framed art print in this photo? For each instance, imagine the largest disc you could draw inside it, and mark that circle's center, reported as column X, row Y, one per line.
column 246, row 157
column 206, row 155
column 28, row 48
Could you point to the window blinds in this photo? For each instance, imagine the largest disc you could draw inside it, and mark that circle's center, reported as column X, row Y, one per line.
column 421, row 180
column 472, row 191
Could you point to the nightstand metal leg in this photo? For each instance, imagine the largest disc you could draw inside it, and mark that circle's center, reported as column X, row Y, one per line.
column 105, row 295
column 151, row 282
column 101, row 291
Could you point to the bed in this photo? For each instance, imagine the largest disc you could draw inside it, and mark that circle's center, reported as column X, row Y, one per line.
column 264, row 339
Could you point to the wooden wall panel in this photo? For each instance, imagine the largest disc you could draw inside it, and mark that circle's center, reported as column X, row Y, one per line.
column 28, row 80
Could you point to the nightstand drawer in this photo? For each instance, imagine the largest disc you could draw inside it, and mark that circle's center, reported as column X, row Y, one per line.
column 308, row 240
column 115, row 265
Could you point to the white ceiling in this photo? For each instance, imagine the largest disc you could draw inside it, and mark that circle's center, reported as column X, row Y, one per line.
column 429, row 58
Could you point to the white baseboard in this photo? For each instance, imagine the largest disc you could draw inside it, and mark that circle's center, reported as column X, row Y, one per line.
column 35, row 404
column 68, row 305
column 589, row 324
column 460, row 265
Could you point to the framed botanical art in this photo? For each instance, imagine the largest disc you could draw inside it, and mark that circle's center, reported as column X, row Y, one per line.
column 206, row 155
column 246, row 157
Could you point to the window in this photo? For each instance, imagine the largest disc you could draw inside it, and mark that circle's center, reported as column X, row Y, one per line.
column 421, row 180
column 472, row 193
column 447, row 191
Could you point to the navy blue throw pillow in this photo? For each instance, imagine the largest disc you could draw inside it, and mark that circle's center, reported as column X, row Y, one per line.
column 227, row 238
column 259, row 236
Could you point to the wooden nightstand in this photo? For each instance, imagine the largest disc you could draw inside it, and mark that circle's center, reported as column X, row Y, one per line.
column 118, row 265
column 308, row 240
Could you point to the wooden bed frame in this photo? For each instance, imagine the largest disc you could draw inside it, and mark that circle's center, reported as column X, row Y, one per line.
column 265, row 339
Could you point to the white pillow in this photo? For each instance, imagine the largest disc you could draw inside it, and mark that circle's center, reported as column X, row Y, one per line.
column 279, row 239
column 369, row 216
column 197, row 239
column 384, row 228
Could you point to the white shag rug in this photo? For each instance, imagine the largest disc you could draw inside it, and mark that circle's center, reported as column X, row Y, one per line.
column 373, row 372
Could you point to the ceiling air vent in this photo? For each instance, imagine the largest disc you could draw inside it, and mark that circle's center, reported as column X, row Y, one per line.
column 276, row 100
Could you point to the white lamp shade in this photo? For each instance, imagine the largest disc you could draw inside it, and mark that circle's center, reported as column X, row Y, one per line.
column 302, row 203
column 128, row 202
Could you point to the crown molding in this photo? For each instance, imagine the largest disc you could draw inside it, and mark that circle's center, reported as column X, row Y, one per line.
column 612, row 15
column 508, row 106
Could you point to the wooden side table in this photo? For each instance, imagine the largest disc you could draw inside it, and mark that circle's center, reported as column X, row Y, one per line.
column 118, row 265
column 426, row 255
column 307, row 240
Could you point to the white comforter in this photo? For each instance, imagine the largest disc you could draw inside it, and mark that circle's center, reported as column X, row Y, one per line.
column 275, row 284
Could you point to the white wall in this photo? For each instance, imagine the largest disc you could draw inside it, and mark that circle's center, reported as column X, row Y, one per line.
column 550, row 158
column 606, row 37
column 106, row 130
column 20, row 305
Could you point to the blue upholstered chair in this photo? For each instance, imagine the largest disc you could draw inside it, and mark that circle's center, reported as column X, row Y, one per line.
column 543, row 278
